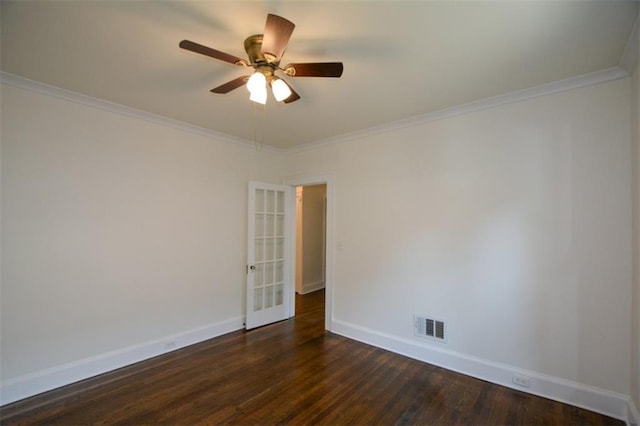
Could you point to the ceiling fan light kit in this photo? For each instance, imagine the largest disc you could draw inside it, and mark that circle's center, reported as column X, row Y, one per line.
column 257, row 81
column 259, row 96
column 280, row 89
column 265, row 52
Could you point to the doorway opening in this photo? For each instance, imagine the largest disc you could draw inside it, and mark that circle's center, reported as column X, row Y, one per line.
column 311, row 249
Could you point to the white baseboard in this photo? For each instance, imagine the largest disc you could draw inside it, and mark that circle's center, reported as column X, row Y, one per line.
column 311, row 287
column 599, row 400
column 595, row 399
column 41, row 381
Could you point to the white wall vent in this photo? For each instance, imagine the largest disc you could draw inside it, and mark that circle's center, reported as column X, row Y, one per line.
column 430, row 328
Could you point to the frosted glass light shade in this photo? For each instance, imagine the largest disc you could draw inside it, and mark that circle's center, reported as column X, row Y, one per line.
column 259, row 95
column 280, row 90
column 256, row 82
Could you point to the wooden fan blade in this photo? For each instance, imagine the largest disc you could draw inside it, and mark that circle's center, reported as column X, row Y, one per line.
column 231, row 85
column 318, row 69
column 207, row 51
column 293, row 97
column 277, row 33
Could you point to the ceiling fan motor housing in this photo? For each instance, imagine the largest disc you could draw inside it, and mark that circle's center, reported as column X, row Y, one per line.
column 253, row 45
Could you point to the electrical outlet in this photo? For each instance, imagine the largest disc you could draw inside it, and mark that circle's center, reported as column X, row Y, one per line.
column 170, row 345
column 520, row 380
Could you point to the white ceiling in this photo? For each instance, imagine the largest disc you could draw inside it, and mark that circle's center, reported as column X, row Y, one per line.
column 402, row 58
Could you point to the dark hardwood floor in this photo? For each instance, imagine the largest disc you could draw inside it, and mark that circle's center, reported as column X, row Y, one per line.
column 289, row 373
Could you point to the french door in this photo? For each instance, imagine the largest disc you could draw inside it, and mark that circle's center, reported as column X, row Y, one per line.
column 268, row 254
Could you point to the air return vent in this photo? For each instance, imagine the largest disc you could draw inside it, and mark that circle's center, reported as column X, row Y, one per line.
column 430, row 328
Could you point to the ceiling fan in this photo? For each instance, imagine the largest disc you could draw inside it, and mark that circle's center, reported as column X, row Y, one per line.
column 265, row 52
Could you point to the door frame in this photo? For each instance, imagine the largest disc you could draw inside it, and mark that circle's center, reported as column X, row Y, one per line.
column 329, row 230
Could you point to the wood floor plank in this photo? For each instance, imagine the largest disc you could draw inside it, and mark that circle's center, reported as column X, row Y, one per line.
column 290, row 373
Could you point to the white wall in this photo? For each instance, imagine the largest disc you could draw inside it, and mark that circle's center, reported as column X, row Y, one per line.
column 299, row 263
column 115, row 231
column 511, row 223
column 313, row 207
column 635, row 337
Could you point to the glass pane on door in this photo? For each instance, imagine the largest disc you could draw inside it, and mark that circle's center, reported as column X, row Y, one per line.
column 268, row 249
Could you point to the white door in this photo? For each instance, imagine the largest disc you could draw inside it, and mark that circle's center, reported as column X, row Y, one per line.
column 268, row 254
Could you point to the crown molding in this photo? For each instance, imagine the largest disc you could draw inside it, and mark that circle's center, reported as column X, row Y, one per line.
column 629, row 58
column 68, row 95
column 602, row 76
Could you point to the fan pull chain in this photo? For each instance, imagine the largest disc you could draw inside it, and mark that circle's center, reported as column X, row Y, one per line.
column 258, row 145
